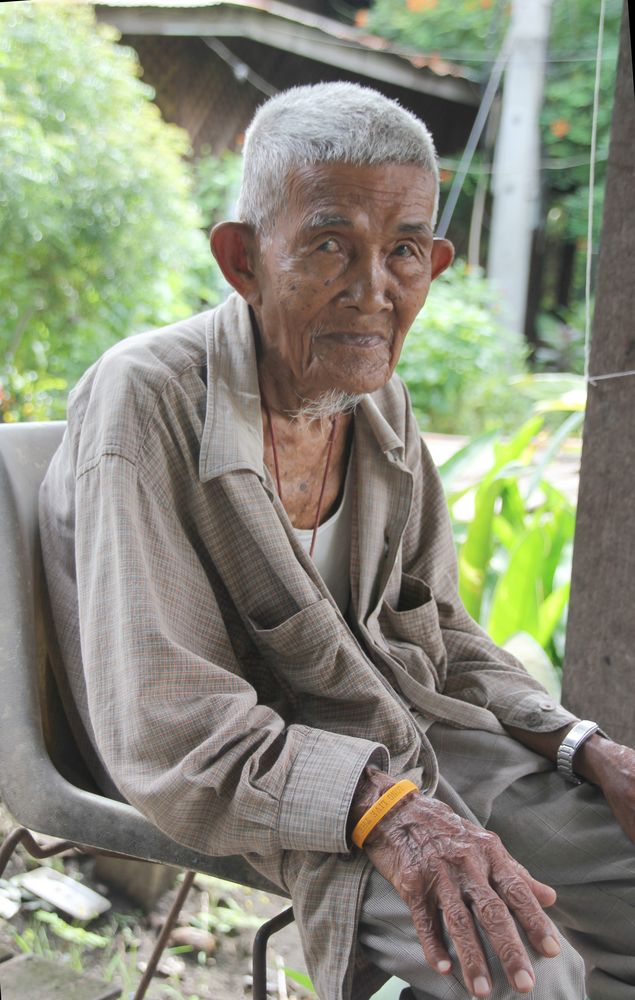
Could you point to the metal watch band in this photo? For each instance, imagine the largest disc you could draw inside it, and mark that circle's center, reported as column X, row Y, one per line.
column 570, row 744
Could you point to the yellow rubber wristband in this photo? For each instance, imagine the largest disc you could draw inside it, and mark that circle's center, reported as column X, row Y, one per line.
column 378, row 810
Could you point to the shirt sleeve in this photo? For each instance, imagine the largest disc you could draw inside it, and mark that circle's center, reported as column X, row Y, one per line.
column 178, row 726
column 478, row 671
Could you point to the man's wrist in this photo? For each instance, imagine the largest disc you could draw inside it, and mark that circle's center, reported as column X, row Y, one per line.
column 588, row 760
column 572, row 742
column 371, row 786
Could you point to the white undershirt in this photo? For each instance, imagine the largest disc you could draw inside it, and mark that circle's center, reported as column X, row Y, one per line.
column 332, row 553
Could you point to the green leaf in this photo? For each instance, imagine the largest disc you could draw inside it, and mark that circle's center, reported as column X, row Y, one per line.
column 566, row 429
column 509, row 451
column 464, row 459
column 550, row 613
column 300, row 978
column 535, row 660
column 518, row 592
column 476, row 551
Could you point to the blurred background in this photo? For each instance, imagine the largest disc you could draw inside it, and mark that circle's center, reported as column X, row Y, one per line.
column 121, row 126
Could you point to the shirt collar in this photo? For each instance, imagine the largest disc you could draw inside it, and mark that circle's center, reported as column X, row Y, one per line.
column 232, row 435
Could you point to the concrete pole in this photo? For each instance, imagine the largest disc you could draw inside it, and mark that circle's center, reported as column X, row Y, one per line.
column 599, row 668
column 516, row 174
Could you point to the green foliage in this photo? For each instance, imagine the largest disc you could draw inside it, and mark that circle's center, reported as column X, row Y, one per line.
column 568, row 107
column 458, row 358
column 220, row 911
column 30, row 395
column 100, row 233
column 514, row 531
column 216, row 185
column 467, row 31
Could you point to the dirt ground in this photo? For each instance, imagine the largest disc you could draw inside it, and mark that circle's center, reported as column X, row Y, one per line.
column 225, row 912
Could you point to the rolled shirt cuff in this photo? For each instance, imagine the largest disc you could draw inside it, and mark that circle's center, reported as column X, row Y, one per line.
column 537, row 712
column 319, row 790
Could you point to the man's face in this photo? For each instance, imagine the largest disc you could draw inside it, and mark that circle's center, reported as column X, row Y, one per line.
column 344, row 273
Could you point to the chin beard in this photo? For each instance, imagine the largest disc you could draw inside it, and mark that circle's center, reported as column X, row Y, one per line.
column 329, row 404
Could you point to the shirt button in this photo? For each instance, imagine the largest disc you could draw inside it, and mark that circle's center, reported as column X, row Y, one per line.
column 547, row 706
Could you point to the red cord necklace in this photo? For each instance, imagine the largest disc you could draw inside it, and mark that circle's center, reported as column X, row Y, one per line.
column 326, row 468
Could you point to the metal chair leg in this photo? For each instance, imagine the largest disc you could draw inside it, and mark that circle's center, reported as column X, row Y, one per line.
column 162, row 939
column 22, row 836
column 259, row 960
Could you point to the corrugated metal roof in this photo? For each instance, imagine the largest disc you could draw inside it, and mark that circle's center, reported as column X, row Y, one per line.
column 346, row 35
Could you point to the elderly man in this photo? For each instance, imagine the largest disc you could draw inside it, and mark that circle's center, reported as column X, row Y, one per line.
column 254, row 603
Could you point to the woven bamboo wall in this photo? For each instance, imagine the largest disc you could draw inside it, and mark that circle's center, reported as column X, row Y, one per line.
column 196, row 89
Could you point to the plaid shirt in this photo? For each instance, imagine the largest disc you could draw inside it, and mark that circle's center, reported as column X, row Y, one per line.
column 210, row 678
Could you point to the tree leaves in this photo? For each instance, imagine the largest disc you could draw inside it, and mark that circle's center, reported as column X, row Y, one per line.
column 100, row 233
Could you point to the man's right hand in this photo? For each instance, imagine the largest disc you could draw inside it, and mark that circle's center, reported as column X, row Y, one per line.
column 442, row 864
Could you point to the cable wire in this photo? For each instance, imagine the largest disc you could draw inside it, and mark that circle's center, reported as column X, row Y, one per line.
column 477, row 128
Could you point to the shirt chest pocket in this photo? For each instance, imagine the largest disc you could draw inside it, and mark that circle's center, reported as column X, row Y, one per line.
column 303, row 649
column 334, row 685
column 413, row 634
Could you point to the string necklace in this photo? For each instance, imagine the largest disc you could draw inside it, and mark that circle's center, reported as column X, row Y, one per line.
column 324, row 478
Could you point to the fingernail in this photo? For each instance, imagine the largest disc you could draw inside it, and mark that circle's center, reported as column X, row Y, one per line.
column 523, row 980
column 444, row 966
column 481, row 986
column 550, row 946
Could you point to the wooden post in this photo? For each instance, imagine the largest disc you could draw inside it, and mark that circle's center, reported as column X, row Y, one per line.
column 516, row 176
column 599, row 671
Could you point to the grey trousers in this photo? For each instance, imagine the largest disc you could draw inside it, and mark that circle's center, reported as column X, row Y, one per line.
column 565, row 836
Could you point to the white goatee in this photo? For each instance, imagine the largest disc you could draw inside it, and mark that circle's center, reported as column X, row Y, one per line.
column 328, row 405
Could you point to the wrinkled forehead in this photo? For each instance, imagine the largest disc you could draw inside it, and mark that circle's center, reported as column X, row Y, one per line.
column 323, row 193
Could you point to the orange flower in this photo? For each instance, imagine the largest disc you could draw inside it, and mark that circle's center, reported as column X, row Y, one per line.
column 361, row 18
column 560, row 127
column 486, row 4
column 421, row 6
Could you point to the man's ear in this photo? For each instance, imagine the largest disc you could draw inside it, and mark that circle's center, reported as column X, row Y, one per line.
column 442, row 256
column 233, row 245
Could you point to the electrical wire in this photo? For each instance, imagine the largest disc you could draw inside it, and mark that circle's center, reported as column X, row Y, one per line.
column 477, row 128
column 239, row 67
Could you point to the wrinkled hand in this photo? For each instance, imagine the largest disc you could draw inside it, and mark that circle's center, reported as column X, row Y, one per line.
column 440, row 863
column 611, row 766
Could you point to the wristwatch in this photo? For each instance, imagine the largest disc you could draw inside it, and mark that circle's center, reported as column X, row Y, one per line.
column 570, row 745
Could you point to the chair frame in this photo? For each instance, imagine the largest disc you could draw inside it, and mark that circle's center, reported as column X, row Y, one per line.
column 37, row 794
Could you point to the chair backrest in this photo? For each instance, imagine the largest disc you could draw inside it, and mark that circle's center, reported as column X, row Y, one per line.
column 31, row 785
column 25, row 452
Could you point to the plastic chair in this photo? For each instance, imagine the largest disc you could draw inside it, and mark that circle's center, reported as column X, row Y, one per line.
column 35, row 738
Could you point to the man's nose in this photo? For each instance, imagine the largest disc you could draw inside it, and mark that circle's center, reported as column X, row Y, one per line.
column 370, row 284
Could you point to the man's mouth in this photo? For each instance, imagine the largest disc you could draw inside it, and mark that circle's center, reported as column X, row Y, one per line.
column 359, row 340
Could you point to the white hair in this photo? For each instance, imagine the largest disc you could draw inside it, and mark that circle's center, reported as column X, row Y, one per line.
column 328, row 404
column 328, row 122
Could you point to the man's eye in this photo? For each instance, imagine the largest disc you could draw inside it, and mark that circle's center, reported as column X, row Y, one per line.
column 329, row 246
column 403, row 250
